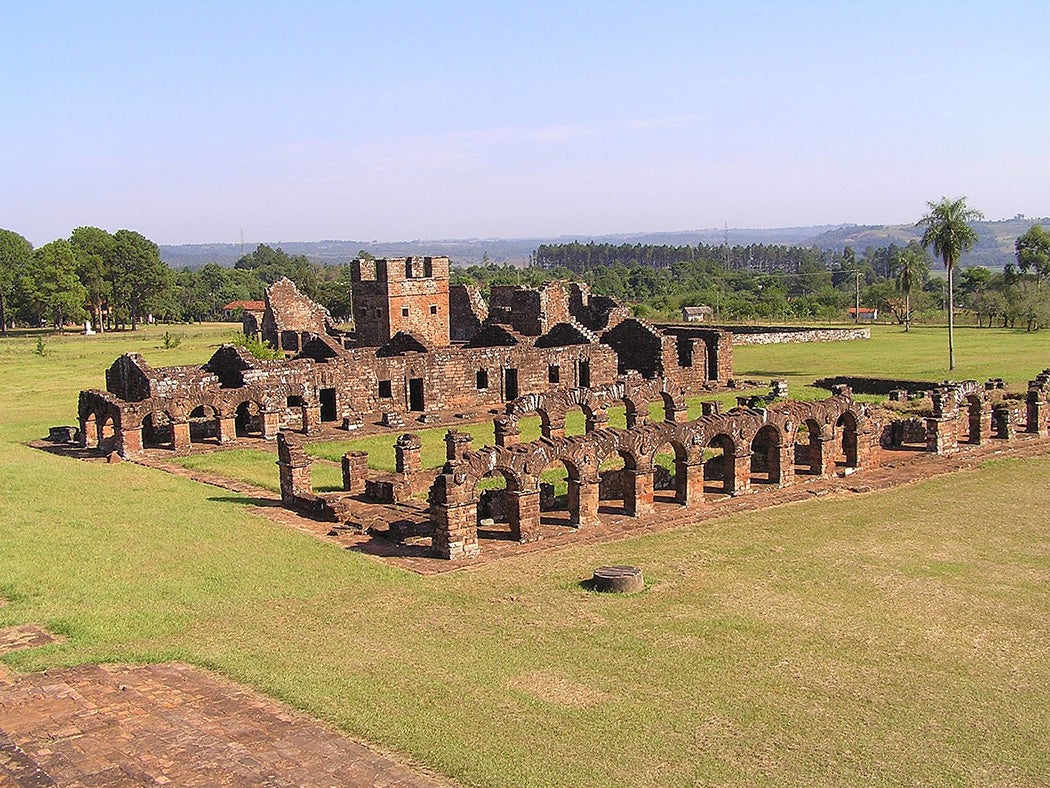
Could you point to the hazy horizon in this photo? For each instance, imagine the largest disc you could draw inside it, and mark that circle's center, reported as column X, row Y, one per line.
column 392, row 121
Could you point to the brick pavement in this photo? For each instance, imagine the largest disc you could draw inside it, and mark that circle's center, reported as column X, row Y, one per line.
column 172, row 724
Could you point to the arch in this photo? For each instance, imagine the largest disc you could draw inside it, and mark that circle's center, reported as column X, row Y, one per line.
column 765, row 456
column 204, row 423
column 158, row 430
column 720, row 464
column 670, row 462
column 89, row 431
column 107, row 433
column 849, row 440
column 809, row 448
column 248, row 419
column 558, row 504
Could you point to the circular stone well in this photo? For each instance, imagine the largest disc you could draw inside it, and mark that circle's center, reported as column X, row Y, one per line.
column 618, row 579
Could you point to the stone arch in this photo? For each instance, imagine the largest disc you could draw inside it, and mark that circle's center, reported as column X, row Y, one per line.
column 766, row 456
column 847, row 430
column 158, row 430
column 203, row 419
column 248, row 419
column 809, row 455
column 720, row 464
column 678, row 482
column 108, row 423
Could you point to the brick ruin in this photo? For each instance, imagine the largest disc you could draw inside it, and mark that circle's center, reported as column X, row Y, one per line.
column 764, row 443
column 421, row 346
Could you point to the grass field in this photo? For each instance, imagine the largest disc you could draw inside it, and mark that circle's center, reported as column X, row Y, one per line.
column 898, row 637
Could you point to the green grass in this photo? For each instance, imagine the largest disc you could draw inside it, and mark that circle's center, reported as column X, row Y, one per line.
column 898, row 637
column 259, row 467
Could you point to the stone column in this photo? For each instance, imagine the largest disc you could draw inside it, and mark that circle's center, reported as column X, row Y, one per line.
column 786, row 462
column 294, row 467
column 597, row 420
column 407, row 449
column 271, row 424
column 311, row 418
column 88, row 436
column 129, row 441
column 226, row 429
column 506, row 431
column 639, row 417
column 180, row 434
column 555, row 428
column 455, row 531
column 942, row 436
column 355, row 471
column 689, row 483
column 820, row 455
column 981, row 424
column 457, row 444
column 583, row 502
column 1036, row 414
column 1002, row 420
column 523, row 513
column 741, row 478
column 638, row 491
column 677, row 413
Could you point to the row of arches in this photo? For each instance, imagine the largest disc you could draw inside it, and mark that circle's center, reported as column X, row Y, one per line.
column 572, row 480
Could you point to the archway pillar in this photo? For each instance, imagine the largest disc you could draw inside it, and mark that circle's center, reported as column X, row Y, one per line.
column 597, row 419
column 506, row 431
column 129, row 441
column 180, row 435
column 226, row 429
column 88, row 434
column 454, row 520
column 980, row 423
column 638, row 491
column 583, row 502
column 741, row 473
column 689, row 483
column 676, row 413
column 638, row 417
column 820, row 457
column 524, row 514
column 271, row 424
column 785, row 464
column 311, row 418
column 942, row 435
column 555, row 428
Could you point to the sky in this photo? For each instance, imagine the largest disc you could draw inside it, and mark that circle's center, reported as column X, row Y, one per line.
column 197, row 122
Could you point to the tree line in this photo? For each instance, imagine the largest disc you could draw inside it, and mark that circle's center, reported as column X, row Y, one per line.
column 118, row 280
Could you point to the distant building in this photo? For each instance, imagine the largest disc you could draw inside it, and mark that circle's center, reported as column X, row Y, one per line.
column 697, row 314
column 235, row 309
column 870, row 315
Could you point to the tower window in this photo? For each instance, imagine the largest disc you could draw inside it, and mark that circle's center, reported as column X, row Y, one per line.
column 404, row 311
column 433, row 310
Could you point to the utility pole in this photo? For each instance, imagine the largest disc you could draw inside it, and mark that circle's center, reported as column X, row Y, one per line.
column 856, row 309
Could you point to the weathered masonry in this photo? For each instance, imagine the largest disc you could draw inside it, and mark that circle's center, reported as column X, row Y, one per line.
column 421, row 346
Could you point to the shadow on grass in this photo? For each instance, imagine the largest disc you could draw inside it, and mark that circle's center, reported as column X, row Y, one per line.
column 246, row 500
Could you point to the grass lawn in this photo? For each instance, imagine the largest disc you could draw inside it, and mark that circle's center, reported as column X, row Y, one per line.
column 897, row 637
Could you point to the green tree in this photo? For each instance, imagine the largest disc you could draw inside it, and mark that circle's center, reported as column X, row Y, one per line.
column 15, row 253
column 50, row 285
column 910, row 269
column 94, row 249
column 140, row 279
column 948, row 231
column 1033, row 251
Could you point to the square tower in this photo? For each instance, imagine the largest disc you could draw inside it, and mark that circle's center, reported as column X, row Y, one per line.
column 401, row 294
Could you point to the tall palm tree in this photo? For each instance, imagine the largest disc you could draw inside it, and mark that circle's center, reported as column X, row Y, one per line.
column 911, row 269
column 948, row 231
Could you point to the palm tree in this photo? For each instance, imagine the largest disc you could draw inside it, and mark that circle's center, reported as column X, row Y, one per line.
column 948, row 231
column 911, row 269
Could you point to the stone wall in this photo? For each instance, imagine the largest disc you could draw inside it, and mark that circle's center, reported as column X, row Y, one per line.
column 753, row 335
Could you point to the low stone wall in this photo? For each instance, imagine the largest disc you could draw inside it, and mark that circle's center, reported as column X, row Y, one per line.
column 880, row 386
column 764, row 335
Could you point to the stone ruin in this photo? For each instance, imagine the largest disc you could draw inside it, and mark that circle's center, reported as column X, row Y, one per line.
column 420, row 346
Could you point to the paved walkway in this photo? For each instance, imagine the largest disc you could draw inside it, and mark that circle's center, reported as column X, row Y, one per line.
column 172, row 724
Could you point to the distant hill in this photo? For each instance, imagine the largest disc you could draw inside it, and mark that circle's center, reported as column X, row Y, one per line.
column 994, row 250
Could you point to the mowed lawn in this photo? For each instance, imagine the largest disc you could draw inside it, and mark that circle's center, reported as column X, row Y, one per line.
column 897, row 637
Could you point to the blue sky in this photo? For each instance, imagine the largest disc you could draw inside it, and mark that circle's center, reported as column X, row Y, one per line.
column 194, row 121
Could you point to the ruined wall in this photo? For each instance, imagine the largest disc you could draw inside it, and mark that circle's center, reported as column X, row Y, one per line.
column 765, row 336
column 467, row 310
column 289, row 314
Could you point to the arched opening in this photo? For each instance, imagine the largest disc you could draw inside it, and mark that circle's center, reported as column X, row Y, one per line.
column 669, row 408
column 557, row 505
column 204, row 424
column 765, row 456
column 499, row 514
column 612, row 483
column 670, row 476
column 551, row 425
column 720, row 465
column 247, row 421
column 849, row 441
column 158, row 431
column 107, row 434
column 808, row 449
column 575, row 420
column 636, row 414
